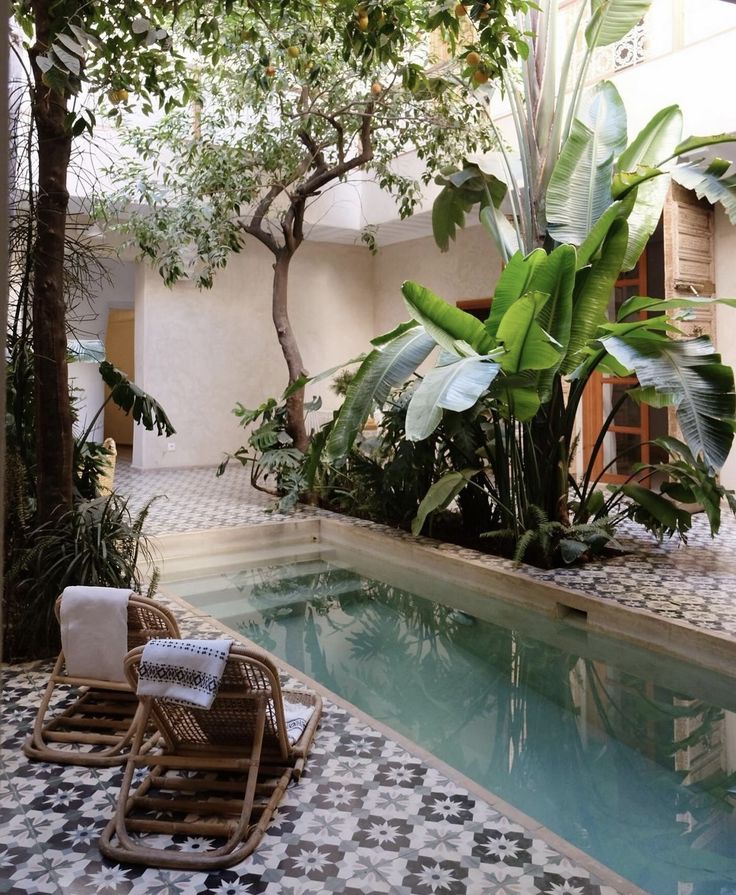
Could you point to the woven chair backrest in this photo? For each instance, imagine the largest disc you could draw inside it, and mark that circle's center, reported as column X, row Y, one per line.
column 249, row 680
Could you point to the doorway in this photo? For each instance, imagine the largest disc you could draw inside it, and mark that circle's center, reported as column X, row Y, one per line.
column 120, row 351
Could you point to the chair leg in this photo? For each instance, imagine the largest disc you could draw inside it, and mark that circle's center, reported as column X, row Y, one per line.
column 242, row 837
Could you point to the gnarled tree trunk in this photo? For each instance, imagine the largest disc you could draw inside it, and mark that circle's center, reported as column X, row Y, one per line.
column 289, row 347
column 54, row 444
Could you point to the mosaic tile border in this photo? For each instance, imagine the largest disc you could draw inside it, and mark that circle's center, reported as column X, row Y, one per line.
column 694, row 583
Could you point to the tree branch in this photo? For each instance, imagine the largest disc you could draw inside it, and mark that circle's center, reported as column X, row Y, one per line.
column 320, row 178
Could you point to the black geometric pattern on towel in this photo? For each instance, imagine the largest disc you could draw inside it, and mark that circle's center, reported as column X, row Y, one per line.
column 194, row 667
column 185, row 677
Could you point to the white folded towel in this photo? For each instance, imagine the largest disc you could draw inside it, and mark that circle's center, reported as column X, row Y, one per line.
column 94, row 631
column 185, row 671
column 297, row 717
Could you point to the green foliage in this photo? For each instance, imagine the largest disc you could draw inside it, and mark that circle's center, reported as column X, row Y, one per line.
column 98, row 543
column 588, row 206
column 276, row 466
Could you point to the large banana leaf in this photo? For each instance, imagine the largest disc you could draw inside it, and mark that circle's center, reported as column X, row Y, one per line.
column 446, row 324
column 613, row 19
column 692, row 143
column 594, row 240
column 690, row 372
column 638, row 303
column 555, row 277
column 579, row 190
column 593, row 293
column 709, row 182
column 527, row 346
column 653, row 141
column 514, row 281
column 131, row 398
column 453, row 386
column 396, row 356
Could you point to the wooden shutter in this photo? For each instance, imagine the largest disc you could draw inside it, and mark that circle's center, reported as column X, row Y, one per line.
column 688, row 255
column 688, row 264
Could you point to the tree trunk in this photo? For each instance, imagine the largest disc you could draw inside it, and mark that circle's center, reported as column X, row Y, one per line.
column 54, row 445
column 295, row 404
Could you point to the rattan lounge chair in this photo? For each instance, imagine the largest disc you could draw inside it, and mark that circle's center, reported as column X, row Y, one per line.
column 95, row 726
column 219, row 774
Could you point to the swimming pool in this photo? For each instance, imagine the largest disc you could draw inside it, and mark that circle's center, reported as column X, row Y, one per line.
column 627, row 755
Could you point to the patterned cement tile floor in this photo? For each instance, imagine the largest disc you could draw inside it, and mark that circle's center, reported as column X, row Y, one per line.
column 367, row 817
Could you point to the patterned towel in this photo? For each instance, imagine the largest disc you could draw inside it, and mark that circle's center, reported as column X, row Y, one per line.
column 94, row 631
column 297, row 717
column 185, row 671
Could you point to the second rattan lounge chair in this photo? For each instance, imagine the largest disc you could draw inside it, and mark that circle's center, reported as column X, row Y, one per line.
column 95, row 727
column 220, row 773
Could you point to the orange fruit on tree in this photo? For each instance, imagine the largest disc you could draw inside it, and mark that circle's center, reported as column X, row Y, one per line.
column 376, row 88
column 293, row 52
column 473, row 58
column 461, row 10
column 480, row 76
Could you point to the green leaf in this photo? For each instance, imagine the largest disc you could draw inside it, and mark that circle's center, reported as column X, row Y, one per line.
column 454, row 386
column 670, row 517
column 645, row 152
column 386, row 367
column 613, row 19
column 130, row 398
column 512, row 284
column 692, row 143
column 579, row 190
column 593, row 293
column 528, row 346
column 448, row 213
column 700, row 386
column 440, row 495
column 594, row 240
column 709, row 183
column 555, row 277
column 638, row 303
column 444, row 322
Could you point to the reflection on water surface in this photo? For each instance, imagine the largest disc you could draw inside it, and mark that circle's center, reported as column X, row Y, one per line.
column 634, row 773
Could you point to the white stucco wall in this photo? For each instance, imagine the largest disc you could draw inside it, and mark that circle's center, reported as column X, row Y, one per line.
column 468, row 270
column 725, row 267
column 199, row 353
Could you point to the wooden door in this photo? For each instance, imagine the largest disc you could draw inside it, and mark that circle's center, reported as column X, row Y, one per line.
column 626, row 441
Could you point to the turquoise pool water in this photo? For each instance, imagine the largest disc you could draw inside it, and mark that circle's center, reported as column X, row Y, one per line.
column 624, row 754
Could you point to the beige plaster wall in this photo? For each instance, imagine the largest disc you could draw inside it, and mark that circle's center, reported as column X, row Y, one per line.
column 199, row 353
column 468, row 270
column 725, row 267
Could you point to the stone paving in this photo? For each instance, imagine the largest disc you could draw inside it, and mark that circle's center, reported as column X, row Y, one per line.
column 367, row 816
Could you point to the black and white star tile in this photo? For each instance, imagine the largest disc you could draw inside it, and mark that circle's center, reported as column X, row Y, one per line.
column 367, row 818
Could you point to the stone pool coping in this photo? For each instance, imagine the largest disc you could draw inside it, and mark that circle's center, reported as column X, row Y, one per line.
column 540, row 590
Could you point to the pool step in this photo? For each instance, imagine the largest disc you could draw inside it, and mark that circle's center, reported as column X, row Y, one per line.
column 239, row 605
column 194, row 566
column 240, row 582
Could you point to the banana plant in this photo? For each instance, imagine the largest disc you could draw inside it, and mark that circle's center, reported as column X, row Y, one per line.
column 591, row 201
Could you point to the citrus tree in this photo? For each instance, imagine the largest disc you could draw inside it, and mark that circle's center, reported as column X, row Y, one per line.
column 591, row 200
column 288, row 106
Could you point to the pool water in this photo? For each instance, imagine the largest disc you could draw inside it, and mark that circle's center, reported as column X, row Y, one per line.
column 637, row 774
